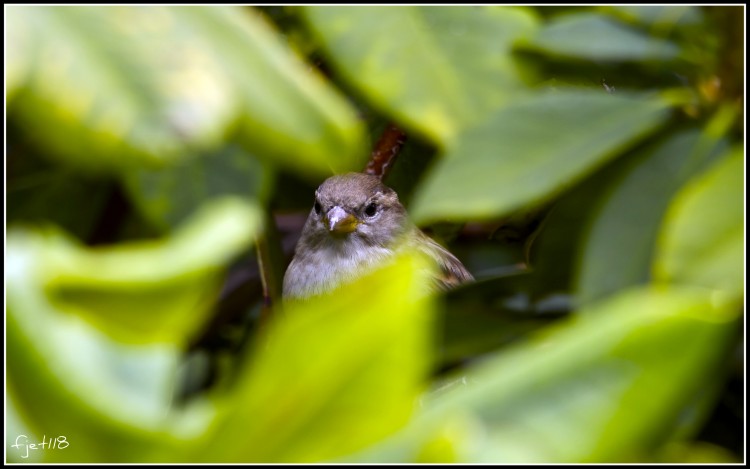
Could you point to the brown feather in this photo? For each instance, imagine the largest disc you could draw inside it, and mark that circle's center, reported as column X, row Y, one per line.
column 452, row 271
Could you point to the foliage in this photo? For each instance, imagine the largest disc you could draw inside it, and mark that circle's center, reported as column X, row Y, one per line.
column 154, row 153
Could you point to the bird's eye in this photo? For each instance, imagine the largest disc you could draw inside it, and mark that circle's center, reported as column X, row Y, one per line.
column 371, row 209
column 317, row 207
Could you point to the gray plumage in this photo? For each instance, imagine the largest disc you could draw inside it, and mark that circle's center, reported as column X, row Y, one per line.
column 356, row 223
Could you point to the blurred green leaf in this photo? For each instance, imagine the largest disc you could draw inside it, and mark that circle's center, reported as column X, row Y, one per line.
column 469, row 333
column 621, row 234
column 16, row 429
column 17, row 62
column 554, row 250
column 109, row 401
column 169, row 195
column 334, row 374
column 455, row 61
column 151, row 291
column 129, row 86
column 657, row 16
column 595, row 36
column 187, row 105
column 570, row 395
column 78, row 200
column 702, row 239
column 489, row 314
column 533, row 149
column 697, row 453
column 290, row 115
column 117, row 86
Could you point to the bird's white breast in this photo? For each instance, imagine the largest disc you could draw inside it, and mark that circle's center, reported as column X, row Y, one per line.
column 334, row 262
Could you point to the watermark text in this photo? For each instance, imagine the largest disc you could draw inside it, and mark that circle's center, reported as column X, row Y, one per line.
column 23, row 444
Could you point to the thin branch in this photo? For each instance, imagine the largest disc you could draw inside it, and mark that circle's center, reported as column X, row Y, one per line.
column 385, row 151
column 270, row 256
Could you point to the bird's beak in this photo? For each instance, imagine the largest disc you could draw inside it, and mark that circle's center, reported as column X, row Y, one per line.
column 340, row 222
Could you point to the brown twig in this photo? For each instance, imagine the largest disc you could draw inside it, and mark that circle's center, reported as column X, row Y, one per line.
column 385, row 151
column 268, row 250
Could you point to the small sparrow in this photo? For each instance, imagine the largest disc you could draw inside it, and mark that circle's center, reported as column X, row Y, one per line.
column 357, row 222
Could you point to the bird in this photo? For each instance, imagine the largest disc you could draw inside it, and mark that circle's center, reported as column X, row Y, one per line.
column 357, row 222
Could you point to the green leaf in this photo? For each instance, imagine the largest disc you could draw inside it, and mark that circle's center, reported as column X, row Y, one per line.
column 434, row 69
column 16, row 429
column 698, row 453
column 702, row 239
column 111, row 401
column 531, row 150
column 333, row 375
column 621, row 237
column 17, row 58
column 118, row 86
column 658, row 16
column 66, row 379
column 489, row 314
column 126, row 86
column 595, row 36
column 151, row 291
column 169, row 195
column 290, row 115
column 78, row 201
column 555, row 250
column 570, row 395
column 474, row 332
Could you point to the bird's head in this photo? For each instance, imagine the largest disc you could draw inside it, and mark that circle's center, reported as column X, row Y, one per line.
column 357, row 207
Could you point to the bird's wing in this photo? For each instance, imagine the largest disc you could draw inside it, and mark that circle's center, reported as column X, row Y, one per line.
column 452, row 271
